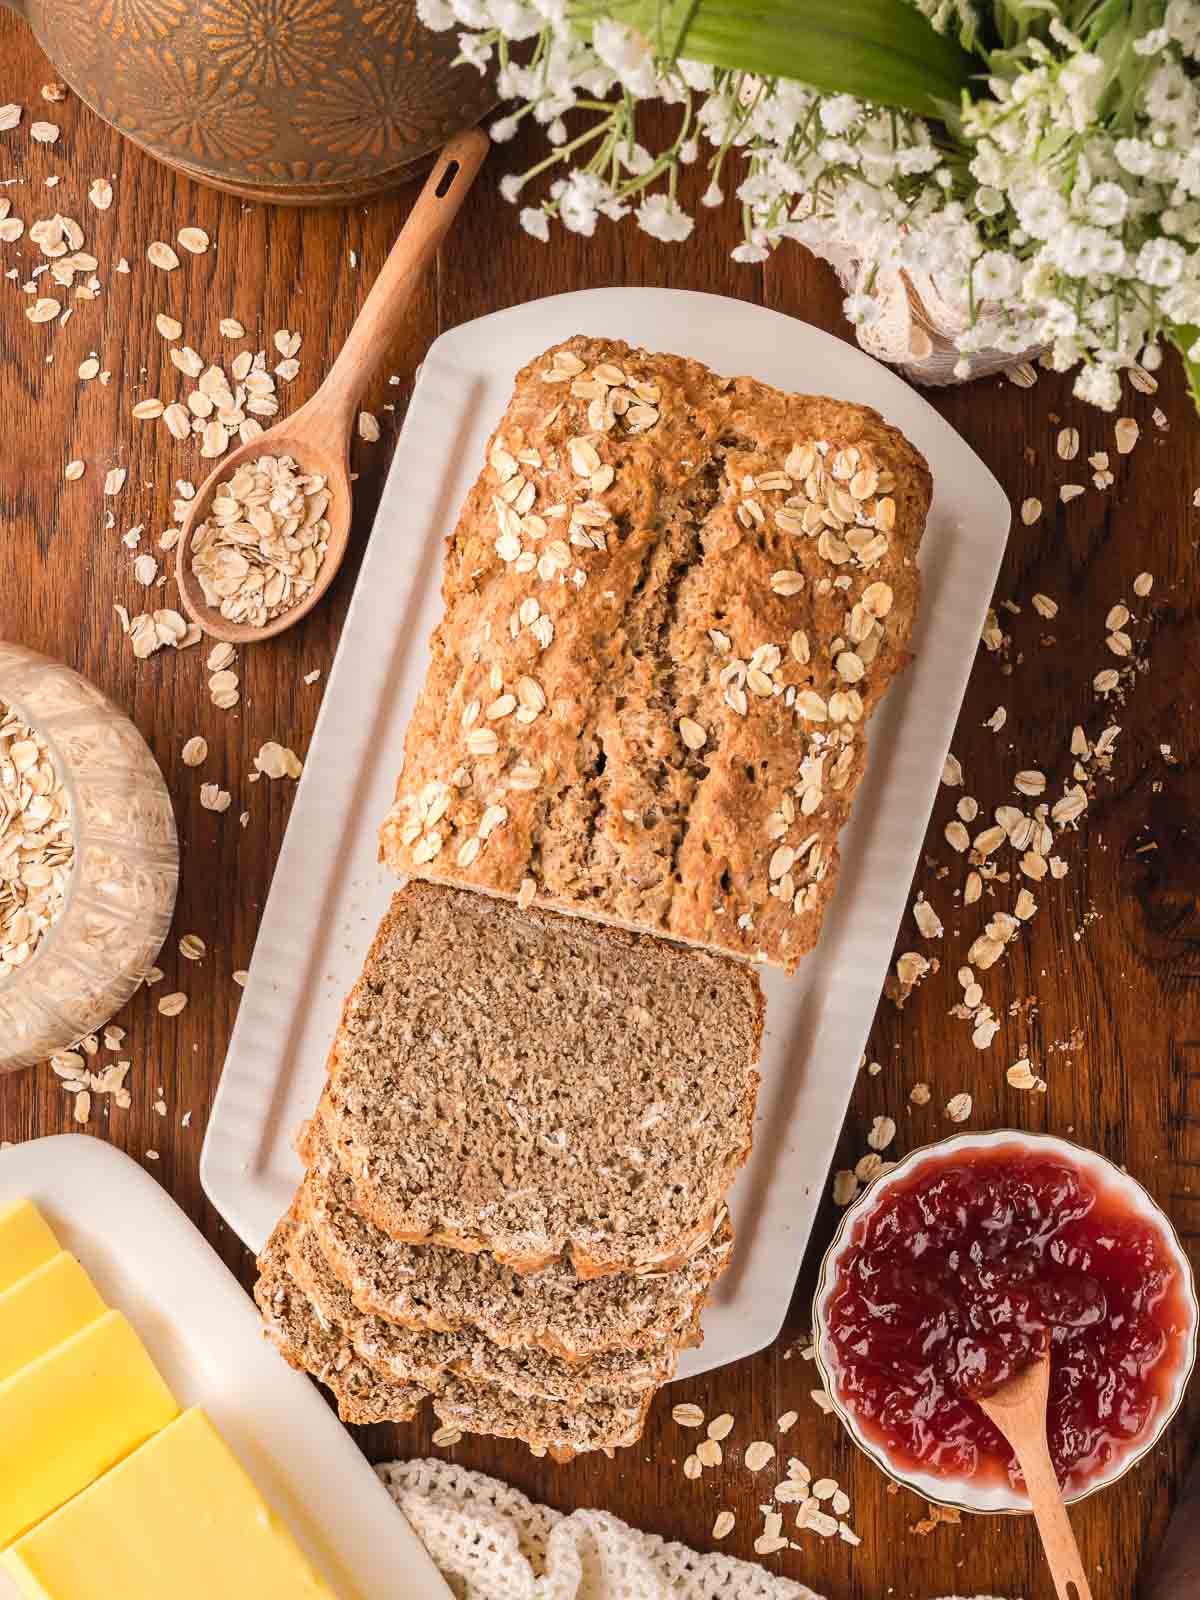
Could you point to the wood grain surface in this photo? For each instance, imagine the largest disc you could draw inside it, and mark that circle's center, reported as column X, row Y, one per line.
column 1104, row 988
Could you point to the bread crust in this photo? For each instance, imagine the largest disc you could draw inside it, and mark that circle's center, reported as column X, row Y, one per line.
column 626, row 732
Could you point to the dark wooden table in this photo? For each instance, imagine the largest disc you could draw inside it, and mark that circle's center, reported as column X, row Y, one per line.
column 1104, row 987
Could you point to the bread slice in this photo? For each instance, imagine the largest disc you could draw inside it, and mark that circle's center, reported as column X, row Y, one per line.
column 525, row 1083
column 426, row 1286
column 324, row 1350
column 430, row 1357
column 319, row 1345
column 563, row 1430
column 673, row 602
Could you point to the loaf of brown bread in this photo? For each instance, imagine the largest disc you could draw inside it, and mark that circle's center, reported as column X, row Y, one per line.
column 520, row 1082
column 672, row 603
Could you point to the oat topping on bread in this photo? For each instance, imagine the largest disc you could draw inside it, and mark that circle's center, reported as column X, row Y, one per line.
column 673, row 601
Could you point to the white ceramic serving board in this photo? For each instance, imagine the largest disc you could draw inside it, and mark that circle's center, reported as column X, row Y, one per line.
column 329, row 891
column 204, row 1335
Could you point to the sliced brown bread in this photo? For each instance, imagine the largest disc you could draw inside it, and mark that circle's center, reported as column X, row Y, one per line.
column 517, row 1081
column 426, row 1286
column 317, row 1344
column 430, row 1357
column 563, row 1430
column 323, row 1349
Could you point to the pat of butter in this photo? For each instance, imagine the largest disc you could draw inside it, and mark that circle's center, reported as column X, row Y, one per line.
column 42, row 1309
column 179, row 1517
column 73, row 1413
column 26, row 1240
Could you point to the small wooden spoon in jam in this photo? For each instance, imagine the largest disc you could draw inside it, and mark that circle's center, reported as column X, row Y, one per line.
column 1018, row 1409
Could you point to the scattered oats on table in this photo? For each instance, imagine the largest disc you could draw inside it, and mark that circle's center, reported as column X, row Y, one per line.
column 258, row 552
column 162, row 256
column 883, row 1131
column 368, row 427
column 277, row 761
column 845, row 1187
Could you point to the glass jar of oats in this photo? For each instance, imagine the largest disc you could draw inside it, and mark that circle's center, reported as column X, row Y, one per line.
column 89, row 860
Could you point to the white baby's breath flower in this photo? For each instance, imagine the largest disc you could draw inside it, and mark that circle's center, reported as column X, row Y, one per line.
column 580, row 200
column 535, row 221
column 1160, row 262
column 861, row 309
column 1099, row 386
column 635, row 158
column 624, row 50
column 838, row 112
column 996, row 275
column 1088, row 246
column 436, row 14
column 1107, row 204
column 503, row 129
column 664, row 218
column 474, row 50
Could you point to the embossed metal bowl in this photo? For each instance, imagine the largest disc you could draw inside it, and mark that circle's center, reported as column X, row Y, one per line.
column 301, row 102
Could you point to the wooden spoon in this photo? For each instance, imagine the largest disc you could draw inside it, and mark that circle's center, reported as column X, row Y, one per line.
column 1018, row 1409
column 318, row 434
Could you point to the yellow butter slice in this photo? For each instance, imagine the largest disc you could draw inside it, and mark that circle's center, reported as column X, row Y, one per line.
column 26, row 1240
column 42, row 1309
column 70, row 1415
column 180, row 1517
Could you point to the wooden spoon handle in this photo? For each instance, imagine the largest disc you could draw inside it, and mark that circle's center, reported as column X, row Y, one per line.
column 391, row 294
column 1058, row 1538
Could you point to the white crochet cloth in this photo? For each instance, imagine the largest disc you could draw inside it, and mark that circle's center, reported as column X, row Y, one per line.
column 491, row 1543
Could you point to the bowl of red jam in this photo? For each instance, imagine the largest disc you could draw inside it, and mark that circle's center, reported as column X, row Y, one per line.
column 962, row 1264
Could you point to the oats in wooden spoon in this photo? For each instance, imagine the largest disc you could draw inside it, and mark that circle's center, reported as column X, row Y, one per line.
column 258, row 552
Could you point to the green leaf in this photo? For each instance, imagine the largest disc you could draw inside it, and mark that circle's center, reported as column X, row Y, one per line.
column 1183, row 336
column 883, row 51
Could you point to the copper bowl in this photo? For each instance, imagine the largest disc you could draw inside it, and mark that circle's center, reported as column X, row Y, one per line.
column 297, row 102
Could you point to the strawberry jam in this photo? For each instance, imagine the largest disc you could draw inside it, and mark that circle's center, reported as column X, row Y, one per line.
column 963, row 1272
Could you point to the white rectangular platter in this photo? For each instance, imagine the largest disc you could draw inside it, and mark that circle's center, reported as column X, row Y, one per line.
column 329, row 891
column 205, row 1337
